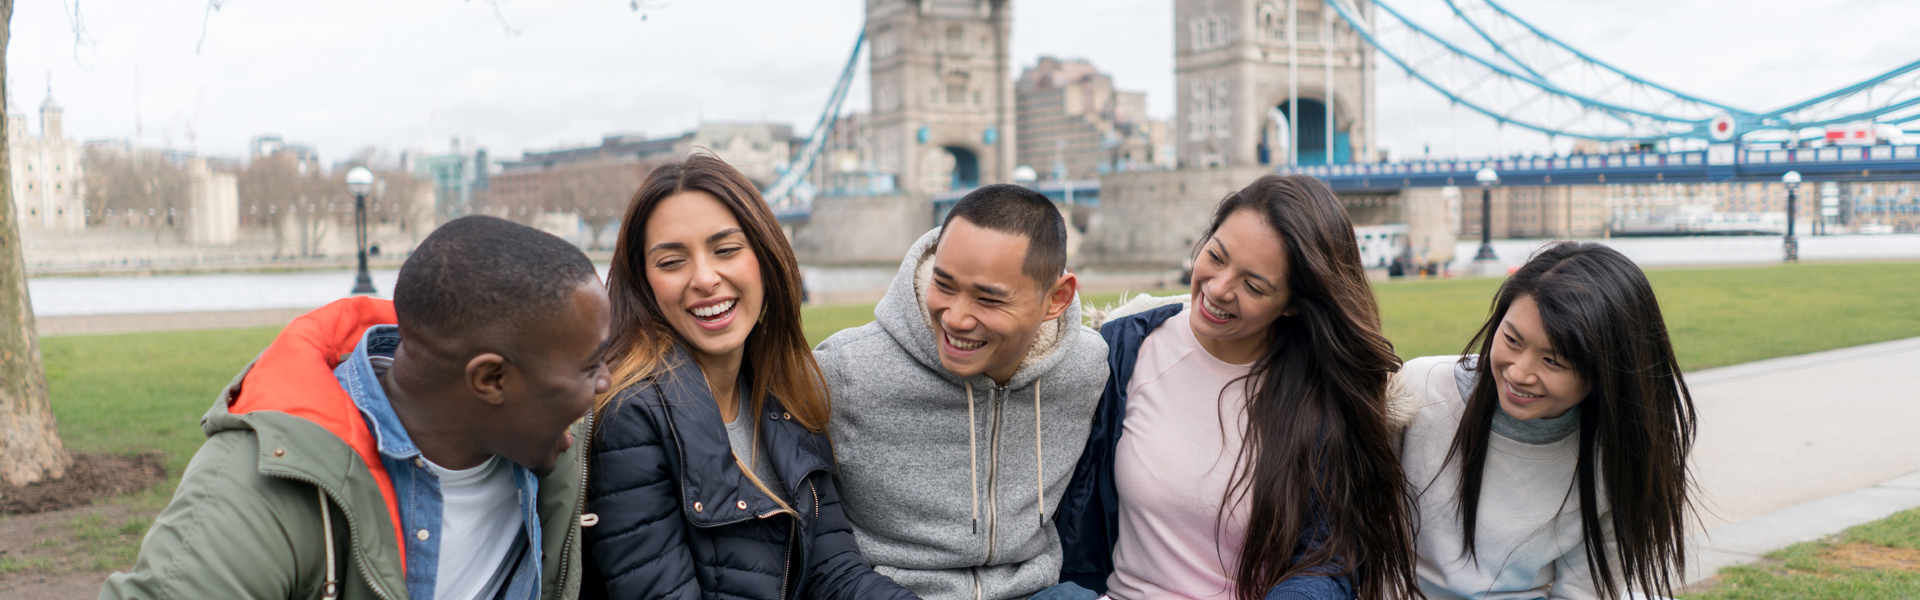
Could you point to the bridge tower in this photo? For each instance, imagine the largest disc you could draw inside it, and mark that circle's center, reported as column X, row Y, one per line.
column 1234, row 64
column 942, row 92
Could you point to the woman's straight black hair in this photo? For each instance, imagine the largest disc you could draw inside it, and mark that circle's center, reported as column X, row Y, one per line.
column 1637, row 422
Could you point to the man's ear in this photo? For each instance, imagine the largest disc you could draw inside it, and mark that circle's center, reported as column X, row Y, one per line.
column 487, row 377
column 1061, row 295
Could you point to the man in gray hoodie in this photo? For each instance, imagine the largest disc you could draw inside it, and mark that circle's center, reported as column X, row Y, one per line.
column 960, row 412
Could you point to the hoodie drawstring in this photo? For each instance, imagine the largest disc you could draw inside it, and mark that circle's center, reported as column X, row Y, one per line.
column 1039, row 458
column 973, row 457
column 330, row 588
column 1039, row 464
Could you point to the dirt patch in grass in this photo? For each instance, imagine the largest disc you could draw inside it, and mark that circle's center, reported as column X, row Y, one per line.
column 92, row 477
column 1874, row 557
column 66, row 554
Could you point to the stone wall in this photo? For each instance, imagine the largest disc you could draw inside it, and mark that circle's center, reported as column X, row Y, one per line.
column 1153, row 218
column 861, row 229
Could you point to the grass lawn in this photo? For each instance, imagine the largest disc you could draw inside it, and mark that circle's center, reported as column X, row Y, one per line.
column 1879, row 560
column 143, row 392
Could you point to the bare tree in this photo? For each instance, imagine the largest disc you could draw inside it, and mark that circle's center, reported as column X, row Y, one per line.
column 137, row 188
column 294, row 199
column 596, row 192
column 30, row 448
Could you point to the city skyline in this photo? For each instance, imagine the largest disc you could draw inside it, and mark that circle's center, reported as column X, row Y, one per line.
column 348, row 75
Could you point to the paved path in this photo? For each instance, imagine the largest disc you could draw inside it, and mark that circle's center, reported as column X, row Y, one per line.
column 134, row 323
column 1796, row 448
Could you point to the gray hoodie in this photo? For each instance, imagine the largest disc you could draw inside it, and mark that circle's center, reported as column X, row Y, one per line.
column 947, row 510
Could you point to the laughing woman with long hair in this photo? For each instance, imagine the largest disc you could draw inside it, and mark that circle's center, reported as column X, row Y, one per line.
column 711, row 475
column 1242, row 449
column 1552, row 462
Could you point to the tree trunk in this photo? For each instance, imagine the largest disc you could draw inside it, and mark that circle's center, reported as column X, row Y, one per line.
column 30, row 448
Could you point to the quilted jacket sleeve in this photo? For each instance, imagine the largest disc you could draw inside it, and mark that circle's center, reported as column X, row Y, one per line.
column 838, row 572
column 1324, row 582
column 639, row 547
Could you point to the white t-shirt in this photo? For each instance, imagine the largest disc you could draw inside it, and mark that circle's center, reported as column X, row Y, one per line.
column 1171, row 470
column 480, row 524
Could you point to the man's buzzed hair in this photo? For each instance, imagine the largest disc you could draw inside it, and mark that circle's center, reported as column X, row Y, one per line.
column 1013, row 209
column 483, row 278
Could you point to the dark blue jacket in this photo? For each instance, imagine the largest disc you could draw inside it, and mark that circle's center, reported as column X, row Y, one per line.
column 678, row 518
column 1089, row 518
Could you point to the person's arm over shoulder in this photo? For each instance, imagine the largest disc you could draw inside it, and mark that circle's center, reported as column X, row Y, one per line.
column 838, row 571
column 226, row 533
column 639, row 547
column 1324, row 582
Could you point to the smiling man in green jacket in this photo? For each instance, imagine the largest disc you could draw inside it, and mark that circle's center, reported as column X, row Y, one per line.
column 423, row 448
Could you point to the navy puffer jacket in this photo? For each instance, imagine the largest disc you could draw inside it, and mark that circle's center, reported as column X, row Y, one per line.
column 678, row 519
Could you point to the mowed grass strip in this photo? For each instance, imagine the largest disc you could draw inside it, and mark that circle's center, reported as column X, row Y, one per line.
column 1715, row 317
column 1879, row 560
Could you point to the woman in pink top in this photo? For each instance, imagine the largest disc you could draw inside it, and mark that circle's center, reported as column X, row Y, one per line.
column 1241, row 450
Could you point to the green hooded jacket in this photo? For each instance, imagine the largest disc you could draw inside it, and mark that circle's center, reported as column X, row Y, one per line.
column 246, row 522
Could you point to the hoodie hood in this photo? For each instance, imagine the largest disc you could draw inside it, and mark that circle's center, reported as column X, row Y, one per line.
column 951, row 483
column 903, row 314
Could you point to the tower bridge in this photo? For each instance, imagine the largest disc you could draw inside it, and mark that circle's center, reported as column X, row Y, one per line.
column 1289, row 86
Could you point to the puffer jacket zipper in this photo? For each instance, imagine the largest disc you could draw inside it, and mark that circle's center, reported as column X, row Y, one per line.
column 353, row 532
column 579, row 505
column 786, row 572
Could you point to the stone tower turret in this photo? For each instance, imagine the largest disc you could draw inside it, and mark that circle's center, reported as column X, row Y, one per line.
column 942, row 92
column 1235, row 62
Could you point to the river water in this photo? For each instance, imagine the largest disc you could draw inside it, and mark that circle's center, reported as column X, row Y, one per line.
column 66, row 296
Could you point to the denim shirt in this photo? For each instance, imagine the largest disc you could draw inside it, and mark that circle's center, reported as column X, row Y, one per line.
column 418, row 489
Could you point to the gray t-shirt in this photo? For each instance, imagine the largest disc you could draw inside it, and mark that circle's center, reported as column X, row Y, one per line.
column 740, row 436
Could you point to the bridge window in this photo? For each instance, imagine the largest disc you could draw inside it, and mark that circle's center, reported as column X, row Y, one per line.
column 1273, row 26
column 954, row 36
column 884, row 45
column 956, row 93
column 1308, row 28
column 1209, row 115
column 1207, row 32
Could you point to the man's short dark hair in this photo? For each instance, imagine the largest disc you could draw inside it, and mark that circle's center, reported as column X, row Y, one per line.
column 483, row 278
column 1013, row 209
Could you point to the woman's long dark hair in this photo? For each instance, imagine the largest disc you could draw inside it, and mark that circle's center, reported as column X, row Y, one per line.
column 777, row 360
column 1636, row 423
column 1317, row 444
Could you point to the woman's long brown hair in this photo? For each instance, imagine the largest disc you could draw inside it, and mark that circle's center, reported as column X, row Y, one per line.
column 1636, row 423
column 777, row 360
column 1317, row 443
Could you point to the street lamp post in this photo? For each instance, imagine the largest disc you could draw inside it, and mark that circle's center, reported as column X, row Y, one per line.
column 359, row 182
column 1485, row 259
column 1792, row 179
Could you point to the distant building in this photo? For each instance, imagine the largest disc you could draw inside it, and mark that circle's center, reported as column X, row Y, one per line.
column 263, row 146
column 460, row 178
column 1073, row 124
column 47, row 172
column 758, row 150
column 942, row 113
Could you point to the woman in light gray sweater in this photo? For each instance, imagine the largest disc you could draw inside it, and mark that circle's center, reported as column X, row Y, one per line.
column 1553, row 462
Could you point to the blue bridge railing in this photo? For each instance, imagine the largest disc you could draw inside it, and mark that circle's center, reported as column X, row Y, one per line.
column 1716, row 164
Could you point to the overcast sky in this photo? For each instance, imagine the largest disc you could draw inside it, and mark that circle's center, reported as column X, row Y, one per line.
column 348, row 74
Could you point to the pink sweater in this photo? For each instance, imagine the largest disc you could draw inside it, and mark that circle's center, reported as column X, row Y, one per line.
column 1175, row 458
